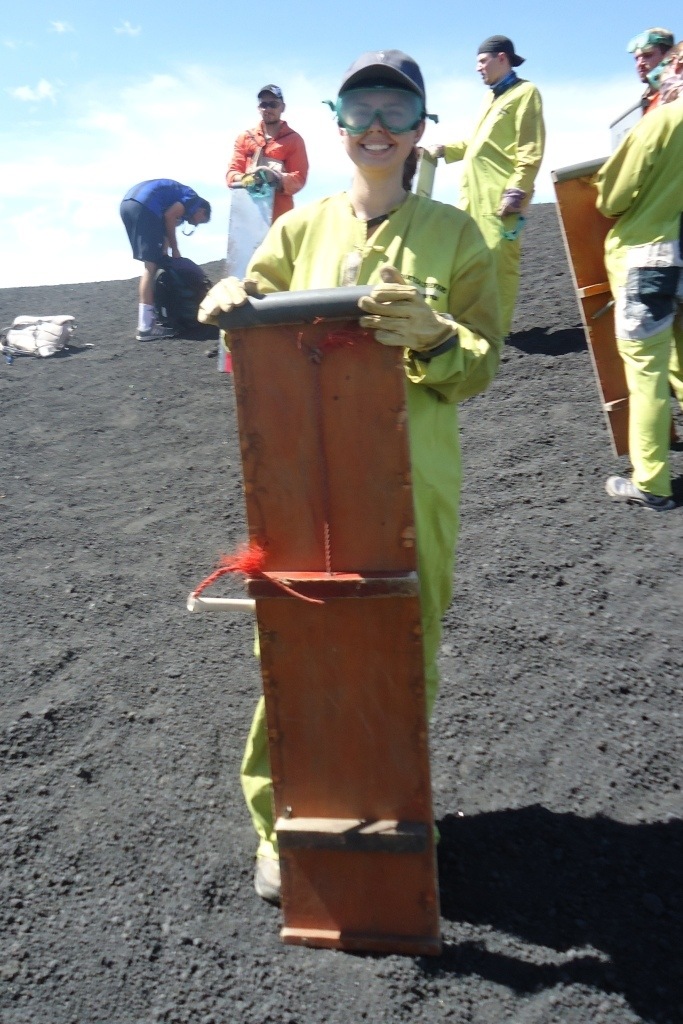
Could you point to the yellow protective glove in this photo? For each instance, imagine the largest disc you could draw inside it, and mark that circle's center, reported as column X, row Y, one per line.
column 224, row 296
column 401, row 317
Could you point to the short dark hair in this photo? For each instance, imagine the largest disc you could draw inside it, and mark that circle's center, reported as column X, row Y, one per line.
column 192, row 205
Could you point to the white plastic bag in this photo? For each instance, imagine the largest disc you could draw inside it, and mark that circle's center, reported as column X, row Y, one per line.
column 39, row 335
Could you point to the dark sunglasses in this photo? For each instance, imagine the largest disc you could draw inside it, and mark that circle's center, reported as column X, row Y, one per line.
column 269, row 104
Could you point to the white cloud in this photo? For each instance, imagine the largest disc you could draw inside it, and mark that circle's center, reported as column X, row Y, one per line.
column 126, row 29
column 43, row 91
column 60, row 27
column 60, row 190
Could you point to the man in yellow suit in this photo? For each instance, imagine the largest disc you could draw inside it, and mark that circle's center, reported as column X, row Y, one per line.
column 640, row 185
column 500, row 162
column 650, row 50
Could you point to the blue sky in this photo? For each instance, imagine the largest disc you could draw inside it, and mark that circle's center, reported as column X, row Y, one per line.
column 95, row 97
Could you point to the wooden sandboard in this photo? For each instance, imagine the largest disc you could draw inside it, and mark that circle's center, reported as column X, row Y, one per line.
column 584, row 230
column 323, row 432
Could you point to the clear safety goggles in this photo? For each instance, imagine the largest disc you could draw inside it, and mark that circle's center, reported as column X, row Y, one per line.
column 648, row 40
column 398, row 110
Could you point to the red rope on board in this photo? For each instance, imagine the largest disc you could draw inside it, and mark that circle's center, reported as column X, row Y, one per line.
column 249, row 561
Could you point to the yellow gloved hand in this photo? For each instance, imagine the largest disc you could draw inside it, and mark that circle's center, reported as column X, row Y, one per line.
column 401, row 317
column 224, row 296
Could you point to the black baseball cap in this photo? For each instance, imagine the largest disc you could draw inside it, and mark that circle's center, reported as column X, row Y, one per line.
column 378, row 67
column 275, row 90
column 501, row 44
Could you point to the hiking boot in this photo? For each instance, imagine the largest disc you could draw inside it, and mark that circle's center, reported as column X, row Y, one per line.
column 267, row 879
column 156, row 331
column 622, row 489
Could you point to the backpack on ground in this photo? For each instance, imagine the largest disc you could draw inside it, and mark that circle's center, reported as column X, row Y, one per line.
column 38, row 335
column 179, row 287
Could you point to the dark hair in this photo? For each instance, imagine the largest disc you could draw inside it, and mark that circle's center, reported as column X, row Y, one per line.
column 409, row 168
column 192, row 205
column 204, row 204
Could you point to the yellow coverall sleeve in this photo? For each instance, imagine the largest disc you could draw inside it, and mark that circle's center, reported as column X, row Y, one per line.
column 621, row 176
column 473, row 303
column 530, row 143
column 640, row 184
column 272, row 264
column 454, row 151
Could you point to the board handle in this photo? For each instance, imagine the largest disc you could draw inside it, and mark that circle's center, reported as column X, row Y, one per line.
column 296, row 307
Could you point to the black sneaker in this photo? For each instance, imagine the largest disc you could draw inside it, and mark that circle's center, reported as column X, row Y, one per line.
column 622, row 489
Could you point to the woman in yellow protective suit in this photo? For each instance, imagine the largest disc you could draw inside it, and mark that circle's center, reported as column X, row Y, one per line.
column 434, row 296
column 641, row 185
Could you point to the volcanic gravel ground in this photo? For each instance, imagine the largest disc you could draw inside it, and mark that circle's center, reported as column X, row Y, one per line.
column 125, row 847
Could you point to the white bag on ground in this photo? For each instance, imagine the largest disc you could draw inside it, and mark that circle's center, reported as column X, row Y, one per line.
column 39, row 335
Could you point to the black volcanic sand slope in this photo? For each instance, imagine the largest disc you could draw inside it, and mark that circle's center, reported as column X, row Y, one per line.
column 126, row 851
